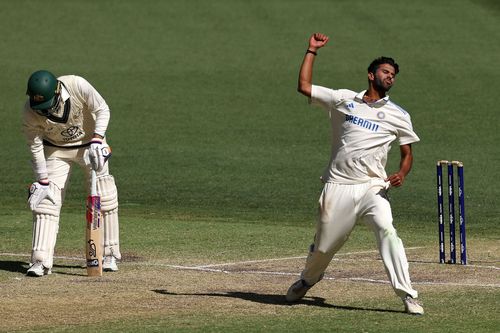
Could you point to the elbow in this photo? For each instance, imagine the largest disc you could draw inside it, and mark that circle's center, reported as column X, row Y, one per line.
column 305, row 89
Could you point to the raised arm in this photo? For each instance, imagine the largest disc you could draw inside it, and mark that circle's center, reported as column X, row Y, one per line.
column 405, row 164
column 316, row 42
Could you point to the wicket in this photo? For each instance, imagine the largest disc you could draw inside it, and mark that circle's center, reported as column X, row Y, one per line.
column 451, row 211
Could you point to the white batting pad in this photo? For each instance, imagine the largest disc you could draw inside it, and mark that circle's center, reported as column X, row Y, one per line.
column 111, row 234
column 106, row 188
column 46, row 206
column 45, row 229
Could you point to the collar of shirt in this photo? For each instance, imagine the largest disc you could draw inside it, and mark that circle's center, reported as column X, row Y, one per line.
column 64, row 93
column 380, row 102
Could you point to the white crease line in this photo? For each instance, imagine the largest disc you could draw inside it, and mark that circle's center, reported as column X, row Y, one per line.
column 354, row 279
column 292, row 258
column 28, row 256
column 214, row 270
column 14, row 255
column 479, row 266
column 251, row 261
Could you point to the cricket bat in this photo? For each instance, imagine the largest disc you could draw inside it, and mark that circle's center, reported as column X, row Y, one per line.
column 94, row 231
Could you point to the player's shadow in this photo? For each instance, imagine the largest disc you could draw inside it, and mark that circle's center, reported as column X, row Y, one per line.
column 13, row 266
column 16, row 266
column 275, row 299
column 55, row 270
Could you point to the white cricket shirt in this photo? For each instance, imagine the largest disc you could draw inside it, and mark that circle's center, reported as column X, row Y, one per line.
column 362, row 134
column 81, row 113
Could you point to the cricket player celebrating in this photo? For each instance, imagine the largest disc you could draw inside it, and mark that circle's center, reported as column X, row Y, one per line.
column 65, row 122
column 364, row 125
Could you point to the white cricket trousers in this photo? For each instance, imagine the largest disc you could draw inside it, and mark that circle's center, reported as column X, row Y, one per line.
column 340, row 207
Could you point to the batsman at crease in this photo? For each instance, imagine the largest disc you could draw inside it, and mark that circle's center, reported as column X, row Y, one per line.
column 65, row 121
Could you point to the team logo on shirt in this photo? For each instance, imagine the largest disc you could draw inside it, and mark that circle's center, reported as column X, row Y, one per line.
column 72, row 133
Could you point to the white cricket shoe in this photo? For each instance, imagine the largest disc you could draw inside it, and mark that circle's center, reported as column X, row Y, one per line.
column 109, row 264
column 412, row 306
column 297, row 290
column 37, row 269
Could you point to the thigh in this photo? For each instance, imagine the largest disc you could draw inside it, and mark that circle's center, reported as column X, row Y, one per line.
column 336, row 217
column 377, row 212
column 58, row 170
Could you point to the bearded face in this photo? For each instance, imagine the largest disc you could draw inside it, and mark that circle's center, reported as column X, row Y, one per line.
column 383, row 78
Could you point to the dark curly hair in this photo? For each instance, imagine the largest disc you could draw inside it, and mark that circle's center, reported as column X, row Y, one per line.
column 382, row 60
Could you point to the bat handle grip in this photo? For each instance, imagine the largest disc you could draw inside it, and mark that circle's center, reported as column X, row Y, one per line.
column 93, row 182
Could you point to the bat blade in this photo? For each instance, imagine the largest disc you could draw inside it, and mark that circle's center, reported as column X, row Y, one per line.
column 94, row 234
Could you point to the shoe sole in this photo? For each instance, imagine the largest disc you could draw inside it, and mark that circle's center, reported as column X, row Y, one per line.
column 33, row 274
column 415, row 313
column 109, row 270
column 292, row 296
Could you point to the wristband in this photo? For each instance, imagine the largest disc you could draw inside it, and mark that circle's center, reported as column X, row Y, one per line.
column 312, row 52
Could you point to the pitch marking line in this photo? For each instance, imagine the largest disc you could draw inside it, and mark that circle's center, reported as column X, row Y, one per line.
column 291, row 258
column 28, row 256
column 211, row 269
column 354, row 279
column 257, row 261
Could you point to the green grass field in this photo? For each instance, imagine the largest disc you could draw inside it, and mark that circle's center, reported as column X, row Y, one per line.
column 217, row 160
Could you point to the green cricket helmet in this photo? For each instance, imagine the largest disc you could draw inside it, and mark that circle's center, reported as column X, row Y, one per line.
column 42, row 90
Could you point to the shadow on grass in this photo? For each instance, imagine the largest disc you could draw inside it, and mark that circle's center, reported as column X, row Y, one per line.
column 83, row 271
column 16, row 266
column 13, row 266
column 276, row 300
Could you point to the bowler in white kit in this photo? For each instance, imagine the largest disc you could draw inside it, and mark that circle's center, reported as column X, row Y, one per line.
column 364, row 125
column 65, row 121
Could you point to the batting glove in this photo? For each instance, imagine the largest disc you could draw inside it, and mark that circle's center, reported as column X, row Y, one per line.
column 98, row 154
column 37, row 192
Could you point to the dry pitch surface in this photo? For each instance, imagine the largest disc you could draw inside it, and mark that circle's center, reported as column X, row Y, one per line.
column 152, row 288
